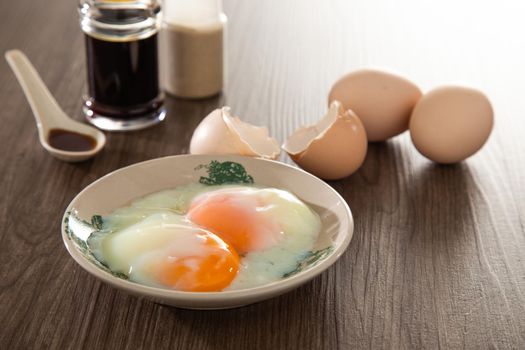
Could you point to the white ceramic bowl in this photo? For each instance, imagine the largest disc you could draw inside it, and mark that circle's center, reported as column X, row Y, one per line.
column 118, row 188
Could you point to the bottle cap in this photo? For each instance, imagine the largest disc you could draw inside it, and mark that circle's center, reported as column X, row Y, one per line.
column 192, row 12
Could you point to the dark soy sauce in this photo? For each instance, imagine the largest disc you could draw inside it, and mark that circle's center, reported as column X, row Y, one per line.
column 123, row 76
column 70, row 141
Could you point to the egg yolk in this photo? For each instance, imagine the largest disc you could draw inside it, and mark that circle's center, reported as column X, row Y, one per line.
column 213, row 270
column 239, row 220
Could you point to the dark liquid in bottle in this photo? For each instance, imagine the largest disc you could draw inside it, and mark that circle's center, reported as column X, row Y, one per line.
column 123, row 77
column 66, row 140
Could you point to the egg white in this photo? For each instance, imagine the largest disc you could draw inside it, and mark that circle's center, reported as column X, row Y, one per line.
column 141, row 229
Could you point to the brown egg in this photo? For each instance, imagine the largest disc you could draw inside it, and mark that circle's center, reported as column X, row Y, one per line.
column 333, row 148
column 383, row 101
column 449, row 124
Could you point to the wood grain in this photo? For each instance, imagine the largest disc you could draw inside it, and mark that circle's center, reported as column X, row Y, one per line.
column 437, row 256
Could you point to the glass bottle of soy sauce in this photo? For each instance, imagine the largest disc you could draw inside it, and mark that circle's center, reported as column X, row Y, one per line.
column 122, row 63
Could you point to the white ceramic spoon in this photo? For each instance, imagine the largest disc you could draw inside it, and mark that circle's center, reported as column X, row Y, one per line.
column 47, row 112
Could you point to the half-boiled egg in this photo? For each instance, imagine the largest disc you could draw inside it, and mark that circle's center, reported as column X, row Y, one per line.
column 165, row 249
column 202, row 238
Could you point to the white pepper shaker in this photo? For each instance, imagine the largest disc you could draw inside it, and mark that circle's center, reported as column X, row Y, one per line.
column 192, row 47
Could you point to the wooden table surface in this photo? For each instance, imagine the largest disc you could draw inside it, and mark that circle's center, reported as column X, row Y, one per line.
column 437, row 258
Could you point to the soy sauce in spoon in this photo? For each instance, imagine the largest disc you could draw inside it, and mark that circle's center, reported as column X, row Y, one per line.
column 71, row 141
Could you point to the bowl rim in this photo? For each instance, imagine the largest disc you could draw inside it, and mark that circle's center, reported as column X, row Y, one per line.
column 163, row 293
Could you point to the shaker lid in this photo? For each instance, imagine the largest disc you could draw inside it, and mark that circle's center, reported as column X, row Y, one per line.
column 192, row 12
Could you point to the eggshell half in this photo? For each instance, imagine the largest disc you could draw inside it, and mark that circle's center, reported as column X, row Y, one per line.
column 221, row 133
column 451, row 123
column 383, row 101
column 333, row 148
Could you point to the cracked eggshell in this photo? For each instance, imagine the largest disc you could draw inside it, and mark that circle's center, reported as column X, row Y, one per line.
column 333, row 148
column 221, row 133
column 383, row 101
